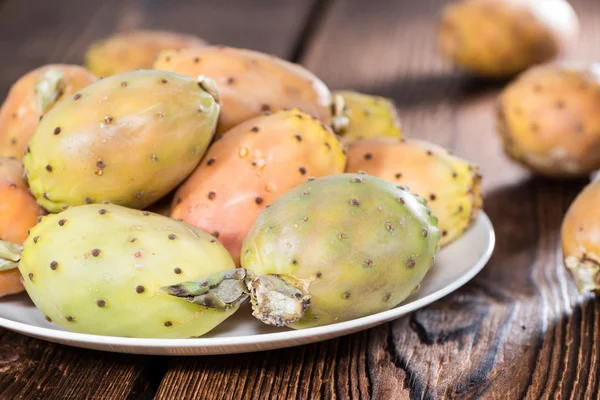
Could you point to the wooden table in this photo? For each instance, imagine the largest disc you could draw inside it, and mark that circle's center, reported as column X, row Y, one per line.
column 518, row 330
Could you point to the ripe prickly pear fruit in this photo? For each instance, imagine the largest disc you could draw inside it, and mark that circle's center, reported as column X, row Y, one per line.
column 500, row 38
column 351, row 245
column 581, row 238
column 31, row 97
column 129, row 139
column 98, row 269
column 251, row 83
column 369, row 116
column 549, row 119
column 249, row 167
column 18, row 213
column 336, row 248
column 128, row 51
column 450, row 184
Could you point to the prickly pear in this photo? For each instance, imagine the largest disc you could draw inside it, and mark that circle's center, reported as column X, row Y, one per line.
column 549, row 119
column 31, row 97
column 128, row 51
column 251, row 83
column 334, row 249
column 249, row 167
column 449, row 183
column 18, row 213
column 369, row 116
column 98, row 269
column 500, row 38
column 581, row 238
column 129, row 139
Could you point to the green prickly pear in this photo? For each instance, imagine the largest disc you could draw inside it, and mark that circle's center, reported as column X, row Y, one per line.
column 128, row 139
column 98, row 269
column 336, row 248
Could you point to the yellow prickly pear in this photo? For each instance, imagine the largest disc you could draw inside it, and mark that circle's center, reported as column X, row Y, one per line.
column 129, row 139
column 500, row 38
column 99, row 268
column 549, row 119
column 369, row 116
column 128, row 51
column 450, row 184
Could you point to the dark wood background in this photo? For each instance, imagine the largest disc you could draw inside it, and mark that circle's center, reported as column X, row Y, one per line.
column 518, row 330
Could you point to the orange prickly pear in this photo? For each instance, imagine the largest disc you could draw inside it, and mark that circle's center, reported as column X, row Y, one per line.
column 251, row 83
column 369, row 116
column 549, row 119
column 18, row 213
column 128, row 51
column 249, row 167
column 450, row 184
column 581, row 238
column 500, row 38
column 31, row 97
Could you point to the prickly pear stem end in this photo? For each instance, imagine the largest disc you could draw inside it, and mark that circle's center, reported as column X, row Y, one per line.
column 221, row 291
column 585, row 271
column 48, row 89
column 10, row 254
column 279, row 300
column 339, row 117
column 210, row 87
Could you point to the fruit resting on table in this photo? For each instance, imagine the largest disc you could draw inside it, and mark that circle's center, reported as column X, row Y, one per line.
column 581, row 238
column 450, row 184
column 32, row 96
column 18, row 213
column 128, row 51
column 129, row 139
column 369, row 116
column 251, row 83
column 97, row 269
column 549, row 119
column 500, row 38
column 252, row 165
column 251, row 161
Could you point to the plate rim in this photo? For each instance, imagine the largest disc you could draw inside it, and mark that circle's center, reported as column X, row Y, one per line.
column 331, row 330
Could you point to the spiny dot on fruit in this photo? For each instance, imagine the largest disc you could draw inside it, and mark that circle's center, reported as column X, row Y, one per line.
column 298, row 138
column 101, row 303
column 31, row 276
column 302, row 170
column 69, row 318
column 48, row 318
column 49, row 168
column 177, row 270
column 172, row 236
column 258, row 200
column 57, row 130
column 102, row 211
column 96, row 252
column 88, row 200
column 53, row 265
column 168, row 324
column 346, row 295
column 410, row 263
column 210, row 162
column 62, row 222
column 140, row 289
column 211, row 195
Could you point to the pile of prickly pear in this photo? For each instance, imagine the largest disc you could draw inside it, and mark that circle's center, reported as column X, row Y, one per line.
column 179, row 186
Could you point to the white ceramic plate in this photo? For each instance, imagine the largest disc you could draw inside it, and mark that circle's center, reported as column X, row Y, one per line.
column 241, row 333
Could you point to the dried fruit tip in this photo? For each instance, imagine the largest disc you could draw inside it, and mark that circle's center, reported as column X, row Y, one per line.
column 210, row 87
column 10, row 254
column 48, row 89
column 279, row 300
column 585, row 271
column 339, row 120
column 221, row 291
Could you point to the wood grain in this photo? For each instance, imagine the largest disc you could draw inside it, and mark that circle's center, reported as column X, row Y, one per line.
column 519, row 330
column 33, row 33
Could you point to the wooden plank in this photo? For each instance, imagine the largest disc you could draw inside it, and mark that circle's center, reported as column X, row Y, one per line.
column 33, row 33
column 519, row 330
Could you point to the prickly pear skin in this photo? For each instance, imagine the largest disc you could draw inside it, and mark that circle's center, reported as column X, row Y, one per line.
column 581, row 238
column 549, row 119
column 19, row 115
column 364, row 244
column 97, row 269
column 249, row 167
column 370, row 116
column 500, row 38
column 128, row 51
column 450, row 184
column 18, row 213
column 129, row 139
column 251, row 82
